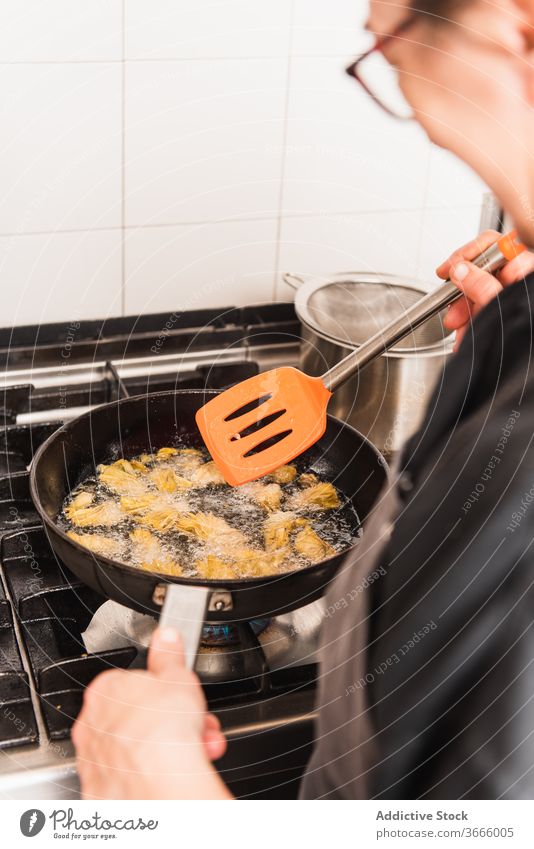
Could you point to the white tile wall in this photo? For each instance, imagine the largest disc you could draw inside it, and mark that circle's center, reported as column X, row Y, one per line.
column 60, row 30
column 161, row 154
column 386, row 241
column 60, row 166
column 333, row 28
column 60, row 276
column 205, row 265
column 451, row 183
column 203, row 140
column 193, row 29
column 442, row 231
column 343, row 154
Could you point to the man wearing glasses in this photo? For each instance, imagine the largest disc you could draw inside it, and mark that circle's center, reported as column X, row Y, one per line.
column 427, row 679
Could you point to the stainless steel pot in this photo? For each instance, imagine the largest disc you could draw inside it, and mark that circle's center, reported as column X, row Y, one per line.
column 386, row 401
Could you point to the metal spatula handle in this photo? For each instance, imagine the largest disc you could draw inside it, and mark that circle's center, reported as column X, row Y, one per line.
column 492, row 259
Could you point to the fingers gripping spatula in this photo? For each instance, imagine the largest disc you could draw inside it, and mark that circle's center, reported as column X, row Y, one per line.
column 268, row 420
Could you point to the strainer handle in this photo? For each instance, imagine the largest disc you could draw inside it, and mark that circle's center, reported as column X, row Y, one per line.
column 293, row 280
column 492, row 259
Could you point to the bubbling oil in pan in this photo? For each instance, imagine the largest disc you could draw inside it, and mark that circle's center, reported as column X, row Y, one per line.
column 194, row 525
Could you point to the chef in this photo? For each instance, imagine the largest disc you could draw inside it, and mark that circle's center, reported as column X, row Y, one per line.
column 426, row 686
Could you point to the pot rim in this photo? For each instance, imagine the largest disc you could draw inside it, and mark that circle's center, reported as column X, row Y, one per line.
column 312, row 284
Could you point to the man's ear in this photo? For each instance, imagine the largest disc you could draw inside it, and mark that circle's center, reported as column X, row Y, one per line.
column 510, row 23
column 521, row 17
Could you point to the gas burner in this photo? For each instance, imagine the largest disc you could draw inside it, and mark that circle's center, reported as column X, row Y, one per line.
column 215, row 634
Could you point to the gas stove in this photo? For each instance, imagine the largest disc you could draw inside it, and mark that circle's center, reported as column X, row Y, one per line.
column 258, row 677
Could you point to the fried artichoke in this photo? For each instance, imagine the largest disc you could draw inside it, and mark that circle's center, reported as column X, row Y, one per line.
column 98, row 544
column 160, row 520
column 139, row 504
column 321, row 496
column 147, row 459
column 142, row 536
column 132, row 467
column 284, row 474
column 311, row 546
column 190, row 455
column 268, row 495
column 80, row 500
column 308, row 479
column 165, row 453
column 252, row 563
column 121, row 481
column 212, row 568
column 150, row 554
column 173, row 491
column 106, row 513
column 277, row 528
column 167, row 481
column 211, row 529
column 207, row 474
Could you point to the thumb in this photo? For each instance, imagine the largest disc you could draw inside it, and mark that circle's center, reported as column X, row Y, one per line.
column 477, row 285
column 166, row 653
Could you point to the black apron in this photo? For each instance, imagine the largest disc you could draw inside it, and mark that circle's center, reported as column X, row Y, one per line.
column 427, row 668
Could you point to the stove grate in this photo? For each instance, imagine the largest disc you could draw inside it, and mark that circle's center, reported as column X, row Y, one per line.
column 17, row 719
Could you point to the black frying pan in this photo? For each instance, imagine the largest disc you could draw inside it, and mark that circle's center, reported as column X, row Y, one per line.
column 147, row 422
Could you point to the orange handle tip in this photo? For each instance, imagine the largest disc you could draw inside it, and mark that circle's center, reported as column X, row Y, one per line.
column 510, row 246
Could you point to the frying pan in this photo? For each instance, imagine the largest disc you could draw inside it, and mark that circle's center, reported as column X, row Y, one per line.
column 145, row 423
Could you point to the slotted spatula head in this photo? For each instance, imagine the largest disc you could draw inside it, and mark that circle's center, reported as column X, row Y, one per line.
column 263, row 422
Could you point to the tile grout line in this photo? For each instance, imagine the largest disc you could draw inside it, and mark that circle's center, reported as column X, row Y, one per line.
column 171, row 59
column 283, row 162
column 350, row 213
column 424, row 209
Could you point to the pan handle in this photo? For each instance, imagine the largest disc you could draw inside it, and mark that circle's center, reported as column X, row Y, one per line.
column 184, row 609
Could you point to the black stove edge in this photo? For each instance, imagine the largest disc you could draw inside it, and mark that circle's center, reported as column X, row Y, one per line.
column 18, row 343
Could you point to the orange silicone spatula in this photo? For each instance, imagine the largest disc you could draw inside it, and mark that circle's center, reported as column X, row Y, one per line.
column 268, row 420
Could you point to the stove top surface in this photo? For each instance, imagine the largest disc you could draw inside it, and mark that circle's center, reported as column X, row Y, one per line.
column 258, row 677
